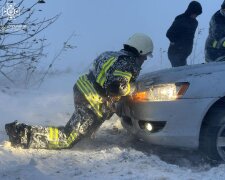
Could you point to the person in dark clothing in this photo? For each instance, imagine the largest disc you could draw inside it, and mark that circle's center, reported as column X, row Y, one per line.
column 181, row 35
column 95, row 95
column 215, row 43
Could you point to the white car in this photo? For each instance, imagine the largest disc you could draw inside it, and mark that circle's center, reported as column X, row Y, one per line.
column 180, row 107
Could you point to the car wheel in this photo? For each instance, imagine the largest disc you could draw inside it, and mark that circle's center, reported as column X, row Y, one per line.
column 212, row 138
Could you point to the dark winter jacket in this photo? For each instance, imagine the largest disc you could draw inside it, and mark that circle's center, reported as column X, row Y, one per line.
column 181, row 34
column 214, row 47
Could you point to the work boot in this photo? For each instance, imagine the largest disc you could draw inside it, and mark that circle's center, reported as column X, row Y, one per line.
column 18, row 134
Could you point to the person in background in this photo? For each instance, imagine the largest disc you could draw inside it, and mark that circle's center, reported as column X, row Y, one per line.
column 215, row 43
column 181, row 34
column 95, row 96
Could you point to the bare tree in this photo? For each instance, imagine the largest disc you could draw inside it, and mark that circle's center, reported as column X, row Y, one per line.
column 66, row 45
column 20, row 45
column 197, row 52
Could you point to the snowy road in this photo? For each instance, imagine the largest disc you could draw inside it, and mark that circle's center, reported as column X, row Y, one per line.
column 113, row 154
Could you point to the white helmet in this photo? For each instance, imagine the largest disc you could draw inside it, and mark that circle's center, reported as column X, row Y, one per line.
column 141, row 42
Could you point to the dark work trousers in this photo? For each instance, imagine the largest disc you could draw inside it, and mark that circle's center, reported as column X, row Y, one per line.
column 177, row 56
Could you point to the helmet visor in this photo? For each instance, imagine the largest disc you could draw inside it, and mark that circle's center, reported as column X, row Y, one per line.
column 149, row 55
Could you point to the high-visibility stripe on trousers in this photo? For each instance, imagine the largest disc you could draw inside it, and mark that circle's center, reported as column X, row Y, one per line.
column 55, row 143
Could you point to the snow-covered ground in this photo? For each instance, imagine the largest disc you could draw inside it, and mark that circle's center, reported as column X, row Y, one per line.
column 112, row 154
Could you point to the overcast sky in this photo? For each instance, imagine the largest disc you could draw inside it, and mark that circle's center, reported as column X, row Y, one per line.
column 103, row 25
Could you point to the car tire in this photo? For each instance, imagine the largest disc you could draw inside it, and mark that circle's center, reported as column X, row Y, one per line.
column 213, row 129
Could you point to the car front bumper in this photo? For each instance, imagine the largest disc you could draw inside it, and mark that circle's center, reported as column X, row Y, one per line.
column 182, row 118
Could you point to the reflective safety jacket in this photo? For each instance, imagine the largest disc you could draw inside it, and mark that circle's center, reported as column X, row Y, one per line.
column 215, row 43
column 110, row 76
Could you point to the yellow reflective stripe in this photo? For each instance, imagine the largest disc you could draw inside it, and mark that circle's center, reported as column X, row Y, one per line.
column 105, row 67
column 214, row 44
column 127, row 75
column 54, row 142
column 92, row 90
column 104, row 70
column 128, row 90
column 92, row 97
column 223, row 43
column 89, row 86
column 50, row 135
column 102, row 75
column 90, row 93
column 82, row 88
column 123, row 72
column 56, row 134
column 72, row 137
column 86, row 86
column 53, row 135
column 86, row 93
column 103, row 79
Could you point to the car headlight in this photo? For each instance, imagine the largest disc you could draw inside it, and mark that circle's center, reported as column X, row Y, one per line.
column 162, row 92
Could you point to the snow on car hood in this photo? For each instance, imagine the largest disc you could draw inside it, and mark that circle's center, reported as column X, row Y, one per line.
column 182, row 72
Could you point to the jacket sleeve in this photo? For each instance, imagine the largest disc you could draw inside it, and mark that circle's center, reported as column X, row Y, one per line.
column 119, row 78
column 174, row 31
column 217, row 29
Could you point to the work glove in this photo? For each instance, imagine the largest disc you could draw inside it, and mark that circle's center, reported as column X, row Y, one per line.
column 118, row 88
column 128, row 90
column 133, row 88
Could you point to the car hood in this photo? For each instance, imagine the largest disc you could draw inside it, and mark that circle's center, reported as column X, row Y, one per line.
column 181, row 73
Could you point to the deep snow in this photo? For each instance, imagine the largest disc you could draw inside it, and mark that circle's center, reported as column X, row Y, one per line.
column 112, row 154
